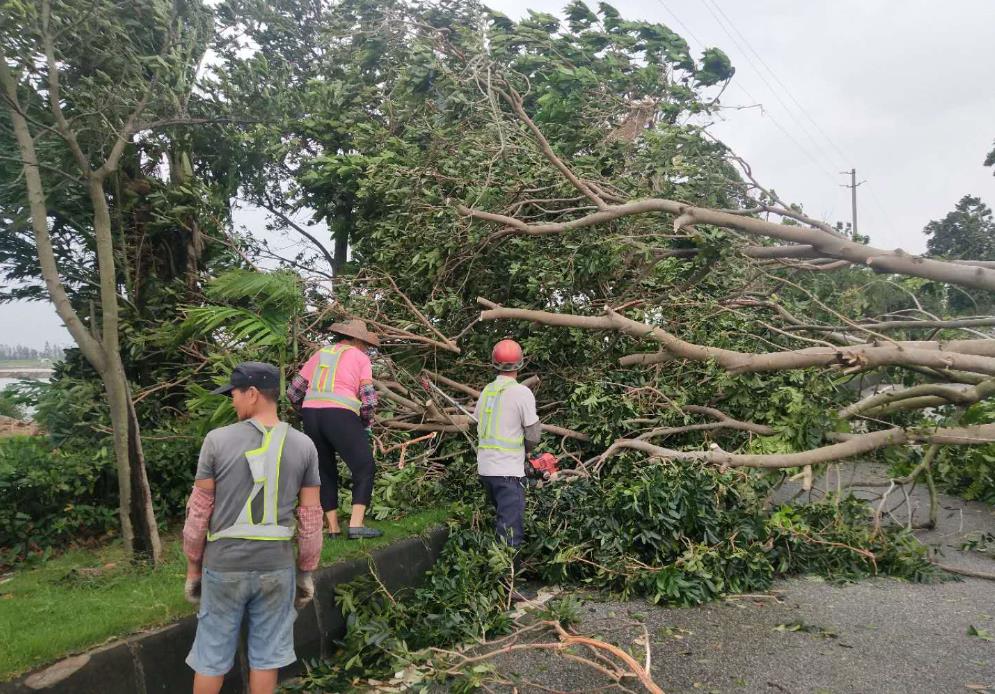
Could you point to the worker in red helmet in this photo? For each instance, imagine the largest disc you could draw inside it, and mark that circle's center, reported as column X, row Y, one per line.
column 507, row 428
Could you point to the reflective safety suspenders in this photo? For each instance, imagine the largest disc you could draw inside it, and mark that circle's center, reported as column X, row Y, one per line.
column 264, row 463
column 322, row 385
column 490, row 414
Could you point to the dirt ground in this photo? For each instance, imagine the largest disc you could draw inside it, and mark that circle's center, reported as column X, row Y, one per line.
column 15, row 427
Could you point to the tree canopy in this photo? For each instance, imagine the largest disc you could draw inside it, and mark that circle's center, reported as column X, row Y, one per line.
column 552, row 178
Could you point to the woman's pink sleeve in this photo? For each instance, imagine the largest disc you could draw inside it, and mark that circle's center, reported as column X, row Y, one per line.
column 309, row 366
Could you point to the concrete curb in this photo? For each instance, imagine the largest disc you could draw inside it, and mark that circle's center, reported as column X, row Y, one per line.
column 152, row 662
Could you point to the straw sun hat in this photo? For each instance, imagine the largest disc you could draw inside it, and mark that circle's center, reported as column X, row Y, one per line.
column 357, row 329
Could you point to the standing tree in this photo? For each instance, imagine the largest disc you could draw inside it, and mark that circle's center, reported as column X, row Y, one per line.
column 967, row 232
column 78, row 82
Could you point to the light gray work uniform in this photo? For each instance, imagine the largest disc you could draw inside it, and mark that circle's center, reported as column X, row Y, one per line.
column 503, row 411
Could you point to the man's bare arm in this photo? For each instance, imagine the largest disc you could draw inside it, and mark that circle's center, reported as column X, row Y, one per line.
column 533, row 433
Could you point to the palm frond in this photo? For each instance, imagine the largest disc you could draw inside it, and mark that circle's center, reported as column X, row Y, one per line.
column 278, row 290
column 231, row 324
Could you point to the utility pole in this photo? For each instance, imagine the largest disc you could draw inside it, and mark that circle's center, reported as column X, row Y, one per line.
column 853, row 197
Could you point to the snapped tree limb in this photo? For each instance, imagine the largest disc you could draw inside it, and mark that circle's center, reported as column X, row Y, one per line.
column 723, row 421
column 935, row 393
column 817, row 241
column 434, row 420
column 850, row 358
column 853, row 445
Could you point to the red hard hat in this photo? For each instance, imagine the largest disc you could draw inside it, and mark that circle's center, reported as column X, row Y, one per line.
column 507, row 355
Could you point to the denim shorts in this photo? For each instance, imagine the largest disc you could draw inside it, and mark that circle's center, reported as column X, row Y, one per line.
column 268, row 597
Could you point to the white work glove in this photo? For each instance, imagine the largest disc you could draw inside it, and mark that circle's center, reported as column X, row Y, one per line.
column 191, row 590
column 305, row 589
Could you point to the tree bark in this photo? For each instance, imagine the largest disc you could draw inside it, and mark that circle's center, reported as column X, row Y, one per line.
column 138, row 525
column 147, row 540
column 931, row 393
column 821, row 243
column 181, row 172
column 851, row 358
column 342, row 229
column 103, row 352
column 850, row 446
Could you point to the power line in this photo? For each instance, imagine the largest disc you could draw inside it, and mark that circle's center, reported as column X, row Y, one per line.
column 790, row 94
column 884, row 213
column 800, row 107
column 775, row 92
column 781, row 84
column 684, row 26
column 819, row 165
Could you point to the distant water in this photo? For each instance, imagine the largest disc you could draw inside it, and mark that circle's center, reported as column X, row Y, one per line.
column 4, row 382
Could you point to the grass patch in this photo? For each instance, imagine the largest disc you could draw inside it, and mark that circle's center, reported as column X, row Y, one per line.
column 86, row 597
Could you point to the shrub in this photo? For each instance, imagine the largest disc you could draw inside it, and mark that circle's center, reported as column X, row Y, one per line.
column 171, row 463
column 10, row 404
column 50, row 496
column 969, row 471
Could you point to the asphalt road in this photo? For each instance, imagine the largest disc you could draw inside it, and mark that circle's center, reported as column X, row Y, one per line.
column 806, row 636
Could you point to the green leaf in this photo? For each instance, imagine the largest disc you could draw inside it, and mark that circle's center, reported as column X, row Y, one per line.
column 979, row 632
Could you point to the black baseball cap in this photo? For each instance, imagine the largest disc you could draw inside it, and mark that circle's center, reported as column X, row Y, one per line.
column 249, row 374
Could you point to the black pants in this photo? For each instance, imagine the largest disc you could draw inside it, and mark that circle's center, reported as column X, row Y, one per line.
column 335, row 430
column 507, row 495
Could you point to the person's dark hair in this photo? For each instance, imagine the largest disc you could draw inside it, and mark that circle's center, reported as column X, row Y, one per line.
column 271, row 394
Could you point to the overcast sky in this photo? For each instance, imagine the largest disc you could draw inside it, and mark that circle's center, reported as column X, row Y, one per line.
column 902, row 90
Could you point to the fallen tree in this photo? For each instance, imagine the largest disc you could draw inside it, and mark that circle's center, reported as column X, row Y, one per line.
column 807, row 239
column 558, row 169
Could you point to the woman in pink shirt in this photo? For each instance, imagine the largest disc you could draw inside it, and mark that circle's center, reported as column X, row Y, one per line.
column 335, row 392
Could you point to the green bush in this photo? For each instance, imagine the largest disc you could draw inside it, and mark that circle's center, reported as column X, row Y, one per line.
column 171, row 463
column 10, row 404
column 969, row 471
column 50, row 496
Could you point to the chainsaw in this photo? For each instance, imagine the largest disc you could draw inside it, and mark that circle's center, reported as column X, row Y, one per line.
column 544, row 466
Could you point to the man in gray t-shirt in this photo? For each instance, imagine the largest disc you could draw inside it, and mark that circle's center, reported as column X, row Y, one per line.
column 222, row 458
column 507, row 428
column 256, row 488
